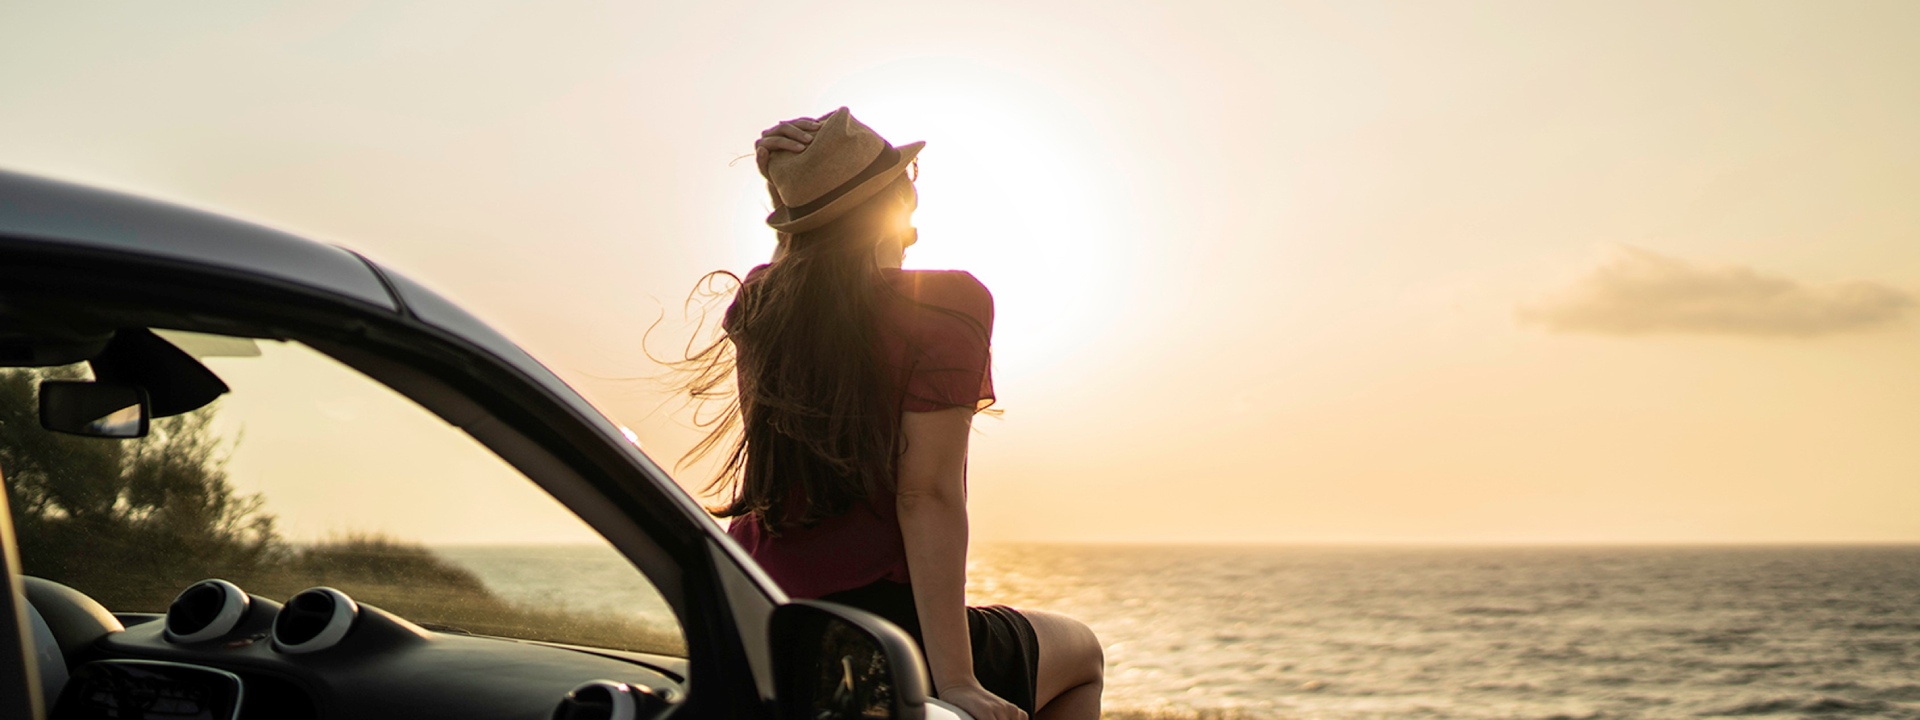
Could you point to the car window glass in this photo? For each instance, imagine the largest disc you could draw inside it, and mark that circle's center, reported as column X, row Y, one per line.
column 308, row 473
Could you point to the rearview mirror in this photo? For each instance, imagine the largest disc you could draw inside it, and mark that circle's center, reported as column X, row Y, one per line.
column 833, row 662
column 94, row 409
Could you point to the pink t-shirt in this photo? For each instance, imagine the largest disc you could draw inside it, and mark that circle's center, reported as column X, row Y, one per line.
column 938, row 348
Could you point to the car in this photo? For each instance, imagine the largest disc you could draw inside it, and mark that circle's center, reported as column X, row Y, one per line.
column 217, row 437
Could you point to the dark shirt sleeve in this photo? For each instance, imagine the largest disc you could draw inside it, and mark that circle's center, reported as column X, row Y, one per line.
column 953, row 332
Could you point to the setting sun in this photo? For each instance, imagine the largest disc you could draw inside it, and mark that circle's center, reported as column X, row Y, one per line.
column 1013, row 188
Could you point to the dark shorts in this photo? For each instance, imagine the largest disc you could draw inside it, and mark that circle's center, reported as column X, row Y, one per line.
column 1006, row 655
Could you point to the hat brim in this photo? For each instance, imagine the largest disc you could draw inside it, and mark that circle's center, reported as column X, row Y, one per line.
column 784, row 221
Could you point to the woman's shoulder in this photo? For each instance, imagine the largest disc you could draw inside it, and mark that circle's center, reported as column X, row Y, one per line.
column 955, row 290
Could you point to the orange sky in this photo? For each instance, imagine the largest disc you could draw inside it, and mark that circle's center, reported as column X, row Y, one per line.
column 1266, row 271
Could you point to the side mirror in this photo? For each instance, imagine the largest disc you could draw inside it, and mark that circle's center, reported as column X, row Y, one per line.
column 832, row 662
column 102, row 410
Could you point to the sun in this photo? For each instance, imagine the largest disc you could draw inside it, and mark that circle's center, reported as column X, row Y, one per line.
column 1008, row 192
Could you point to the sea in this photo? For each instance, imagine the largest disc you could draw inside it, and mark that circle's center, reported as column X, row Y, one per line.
column 1254, row 632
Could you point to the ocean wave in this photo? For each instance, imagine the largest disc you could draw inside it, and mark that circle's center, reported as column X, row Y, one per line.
column 1560, row 654
column 1728, row 636
column 1773, row 664
column 1821, row 705
column 1733, row 678
column 1494, row 610
column 1895, row 693
column 1898, row 693
column 1504, row 687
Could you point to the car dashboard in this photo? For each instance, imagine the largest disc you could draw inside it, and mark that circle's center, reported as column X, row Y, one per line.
column 217, row 656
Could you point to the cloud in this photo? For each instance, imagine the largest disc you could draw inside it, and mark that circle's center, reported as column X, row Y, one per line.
column 1637, row 292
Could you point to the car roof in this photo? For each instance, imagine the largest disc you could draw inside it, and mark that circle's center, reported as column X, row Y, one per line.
column 39, row 210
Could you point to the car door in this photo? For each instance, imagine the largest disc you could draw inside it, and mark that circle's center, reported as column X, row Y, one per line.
column 456, row 391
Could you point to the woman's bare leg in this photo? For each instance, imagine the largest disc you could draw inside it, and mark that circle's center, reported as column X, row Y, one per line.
column 1072, row 668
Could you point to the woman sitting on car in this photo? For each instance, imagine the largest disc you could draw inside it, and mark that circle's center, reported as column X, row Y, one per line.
column 857, row 385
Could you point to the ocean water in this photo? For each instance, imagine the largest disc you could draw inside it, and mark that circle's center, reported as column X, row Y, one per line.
column 1328, row 632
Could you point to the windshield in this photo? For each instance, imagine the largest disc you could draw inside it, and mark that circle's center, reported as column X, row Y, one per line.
column 309, row 473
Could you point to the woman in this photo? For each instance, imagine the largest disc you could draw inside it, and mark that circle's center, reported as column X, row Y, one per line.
column 857, row 383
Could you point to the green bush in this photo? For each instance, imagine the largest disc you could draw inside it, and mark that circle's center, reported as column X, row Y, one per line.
column 124, row 521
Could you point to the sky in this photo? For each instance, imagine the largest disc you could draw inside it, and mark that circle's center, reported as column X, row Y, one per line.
column 1454, row 272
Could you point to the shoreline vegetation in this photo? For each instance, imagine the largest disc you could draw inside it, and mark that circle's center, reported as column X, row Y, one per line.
column 390, row 574
column 133, row 523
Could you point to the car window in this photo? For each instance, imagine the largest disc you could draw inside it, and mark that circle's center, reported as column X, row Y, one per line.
column 308, row 473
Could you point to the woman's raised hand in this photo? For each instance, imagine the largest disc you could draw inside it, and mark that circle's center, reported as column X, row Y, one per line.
column 980, row 703
column 790, row 136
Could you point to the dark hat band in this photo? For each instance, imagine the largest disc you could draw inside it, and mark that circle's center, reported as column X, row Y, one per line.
column 888, row 157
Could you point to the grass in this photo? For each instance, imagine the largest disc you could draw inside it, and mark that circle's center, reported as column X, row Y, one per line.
column 411, row 581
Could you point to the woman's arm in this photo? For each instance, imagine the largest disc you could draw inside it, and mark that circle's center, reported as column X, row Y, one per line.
column 790, row 136
column 932, row 501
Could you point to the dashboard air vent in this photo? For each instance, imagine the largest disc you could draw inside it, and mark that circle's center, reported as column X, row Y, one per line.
column 314, row 620
column 206, row 611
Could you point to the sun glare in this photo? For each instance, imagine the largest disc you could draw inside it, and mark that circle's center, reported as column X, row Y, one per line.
column 1006, row 192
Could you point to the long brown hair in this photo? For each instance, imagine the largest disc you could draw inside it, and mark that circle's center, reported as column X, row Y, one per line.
column 799, row 369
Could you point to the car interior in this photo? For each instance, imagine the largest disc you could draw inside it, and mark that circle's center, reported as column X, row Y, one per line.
column 154, row 589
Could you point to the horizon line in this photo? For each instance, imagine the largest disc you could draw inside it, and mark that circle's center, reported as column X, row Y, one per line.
column 1328, row 543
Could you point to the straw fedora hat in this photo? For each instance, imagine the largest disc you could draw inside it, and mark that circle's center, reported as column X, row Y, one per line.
column 845, row 165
